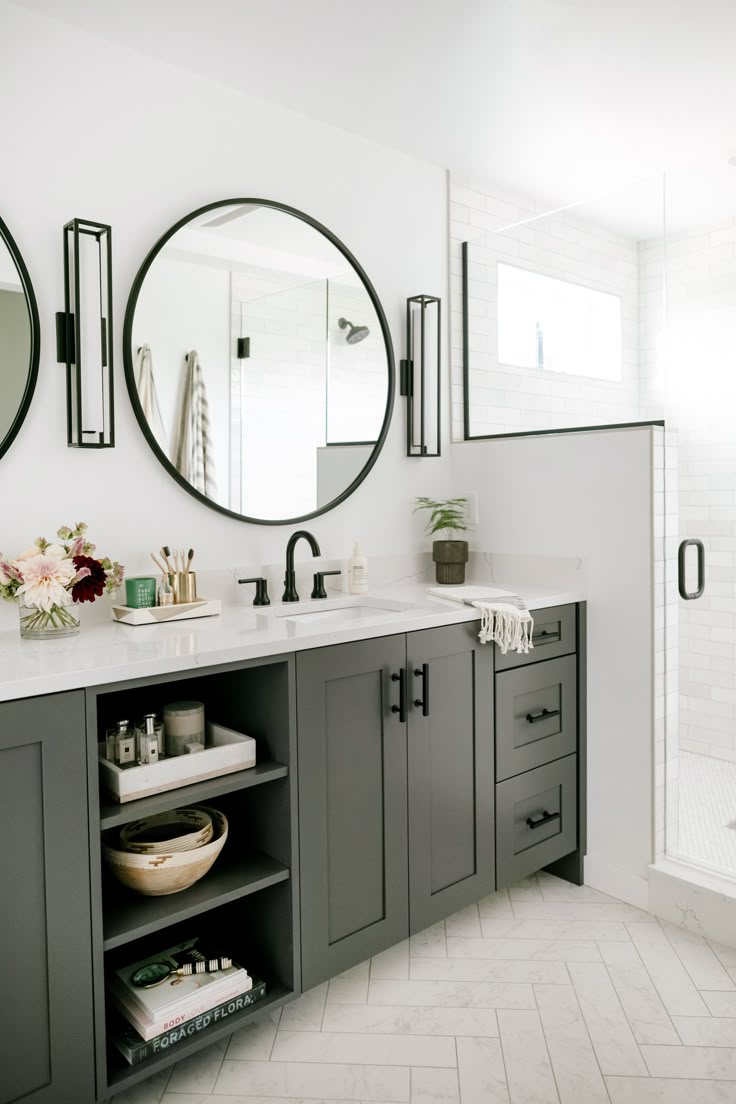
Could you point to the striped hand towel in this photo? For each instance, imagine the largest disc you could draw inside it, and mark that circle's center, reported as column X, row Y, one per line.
column 504, row 617
column 194, row 454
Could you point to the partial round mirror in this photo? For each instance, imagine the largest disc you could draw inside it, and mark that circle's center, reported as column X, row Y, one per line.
column 19, row 339
column 258, row 361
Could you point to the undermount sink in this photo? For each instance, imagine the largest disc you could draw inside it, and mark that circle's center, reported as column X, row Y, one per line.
column 336, row 611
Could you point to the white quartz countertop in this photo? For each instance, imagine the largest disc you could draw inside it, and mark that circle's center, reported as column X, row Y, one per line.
column 112, row 652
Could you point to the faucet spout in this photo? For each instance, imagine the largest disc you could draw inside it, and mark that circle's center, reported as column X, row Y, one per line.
column 290, row 592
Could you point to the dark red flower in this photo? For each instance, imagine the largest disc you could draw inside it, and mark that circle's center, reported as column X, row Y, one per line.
column 93, row 584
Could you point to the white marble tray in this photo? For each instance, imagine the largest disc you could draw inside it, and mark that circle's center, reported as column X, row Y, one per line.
column 159, row 615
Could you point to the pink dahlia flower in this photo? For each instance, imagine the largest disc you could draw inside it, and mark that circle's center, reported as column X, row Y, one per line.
column 45, row 581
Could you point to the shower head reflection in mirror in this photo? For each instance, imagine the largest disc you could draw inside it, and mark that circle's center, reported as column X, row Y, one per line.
column 298, row 396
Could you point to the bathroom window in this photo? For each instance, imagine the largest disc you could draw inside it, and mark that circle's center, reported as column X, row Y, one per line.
column 556, row 326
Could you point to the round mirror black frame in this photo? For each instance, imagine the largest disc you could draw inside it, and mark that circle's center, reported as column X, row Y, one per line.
column 25, row 279
column 130, row 373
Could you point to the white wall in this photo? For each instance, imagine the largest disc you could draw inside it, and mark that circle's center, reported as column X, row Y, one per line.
column 589, row 495
column 106, row 134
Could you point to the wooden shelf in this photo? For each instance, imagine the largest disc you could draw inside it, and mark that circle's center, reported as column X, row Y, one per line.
column 129, row 915
column 113, row 814
column 120, row 1074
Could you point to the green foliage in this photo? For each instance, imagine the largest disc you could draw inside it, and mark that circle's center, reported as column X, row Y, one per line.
column 450, row 515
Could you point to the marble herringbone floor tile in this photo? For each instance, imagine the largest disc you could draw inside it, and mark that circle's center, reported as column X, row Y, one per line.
column 547, row 993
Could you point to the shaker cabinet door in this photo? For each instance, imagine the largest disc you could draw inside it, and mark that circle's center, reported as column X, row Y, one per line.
column 451, row 783
column 352, row 804
column 46, row 1036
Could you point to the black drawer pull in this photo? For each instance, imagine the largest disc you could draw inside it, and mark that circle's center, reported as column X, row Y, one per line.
column 401, row 707
column 423, row 673
column 546, row 818
column 532, row 718
column 553, row 634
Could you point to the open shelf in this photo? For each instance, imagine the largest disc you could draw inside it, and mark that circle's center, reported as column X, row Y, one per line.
column 121, row 1074
column 113, row 814
column 129, row 915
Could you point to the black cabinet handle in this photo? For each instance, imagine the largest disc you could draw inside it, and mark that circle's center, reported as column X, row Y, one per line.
column 681, row 567
column 545, row 818
column 423, row 673
column 553, row 634
column 401, row 707
column 532, row 718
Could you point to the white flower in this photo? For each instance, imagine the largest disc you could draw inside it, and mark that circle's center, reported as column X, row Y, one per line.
column 28, row 554
column 45, row 581
column 55, row 550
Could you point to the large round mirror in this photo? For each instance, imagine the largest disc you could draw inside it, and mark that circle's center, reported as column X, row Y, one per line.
column 19, row 339
column 259, row 361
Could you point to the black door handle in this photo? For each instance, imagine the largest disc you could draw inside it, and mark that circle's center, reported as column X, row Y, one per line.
column 554, row 634
column 532, row 718
column 545, row 818
column 681, row 567
column 423, row 673
column 401, row 707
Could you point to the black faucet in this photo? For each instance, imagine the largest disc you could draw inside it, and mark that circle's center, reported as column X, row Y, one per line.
column 290, row 591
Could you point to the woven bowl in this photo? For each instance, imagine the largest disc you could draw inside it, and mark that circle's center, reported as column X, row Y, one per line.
column 175, row 830
column 156, row 875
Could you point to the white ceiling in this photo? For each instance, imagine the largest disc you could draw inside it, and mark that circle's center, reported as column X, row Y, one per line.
column 558, row 99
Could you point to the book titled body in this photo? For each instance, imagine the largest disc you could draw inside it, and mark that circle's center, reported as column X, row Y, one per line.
column 136, row 1049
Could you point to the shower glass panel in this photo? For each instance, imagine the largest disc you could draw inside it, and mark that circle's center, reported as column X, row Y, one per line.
column 700, row 474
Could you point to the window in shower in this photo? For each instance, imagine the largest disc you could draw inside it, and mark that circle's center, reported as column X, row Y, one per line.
column 557, row 326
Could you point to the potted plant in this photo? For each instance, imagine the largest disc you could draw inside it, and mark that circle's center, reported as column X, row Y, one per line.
column 450, row 555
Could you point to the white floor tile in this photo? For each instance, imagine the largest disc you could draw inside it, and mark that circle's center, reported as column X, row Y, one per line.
column 666, row 1090
column 574, row 1063
column 430, row 942
column 350, row 987
column 641, row 1002
column 406, row 1020
column 554, row 929
column 698, row 958
column 671, row 979
column 198, row 1072
column 720, row 1004
column 488, row 969
column 305, row 1013
column 434, row 1086
column 393, row 963
column 528, row 1068
column 481, row 1072
column 186, row 1098
column 497, row 905
column 464, row 923
column 352, row 1048
column 555, row 889
column 718, row 1063
column 530, row 950
column 307, row 1079
column 147, row 1092
column 590, row 911
column 609, row 1030
column 706, row 1030
column 255, row 1040
column 449, row 994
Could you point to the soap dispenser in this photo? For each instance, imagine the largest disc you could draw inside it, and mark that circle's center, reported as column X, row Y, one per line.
column 357, row 572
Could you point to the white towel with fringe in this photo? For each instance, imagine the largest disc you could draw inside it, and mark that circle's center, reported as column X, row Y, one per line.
column 194, row 455
column 504, row 617
column 147, row 395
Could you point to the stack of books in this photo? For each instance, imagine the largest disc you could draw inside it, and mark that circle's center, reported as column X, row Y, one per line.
column 153, row 1019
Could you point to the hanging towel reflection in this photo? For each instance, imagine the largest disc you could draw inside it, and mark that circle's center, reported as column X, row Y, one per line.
column 147, row 395
column 194, row 455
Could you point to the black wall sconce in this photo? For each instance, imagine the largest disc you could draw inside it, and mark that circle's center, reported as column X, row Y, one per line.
column 420, row 375
column 84, row 335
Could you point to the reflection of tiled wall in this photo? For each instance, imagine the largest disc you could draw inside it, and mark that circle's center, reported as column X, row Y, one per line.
column 509, row 399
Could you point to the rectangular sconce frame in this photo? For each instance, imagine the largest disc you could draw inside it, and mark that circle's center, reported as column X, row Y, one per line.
column 420, row 377
column 90, row 399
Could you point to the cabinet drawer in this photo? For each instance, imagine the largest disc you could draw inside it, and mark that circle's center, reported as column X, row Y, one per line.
column 536, row 715
column 554, row 635
column 536, row 819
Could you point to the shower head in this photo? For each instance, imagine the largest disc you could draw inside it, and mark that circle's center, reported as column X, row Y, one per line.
column 355, row 333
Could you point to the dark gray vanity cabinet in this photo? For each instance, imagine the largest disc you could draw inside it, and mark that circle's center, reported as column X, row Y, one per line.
column 450, row 755
column 46, row 1036
column 352, row 804
column 395, row 790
